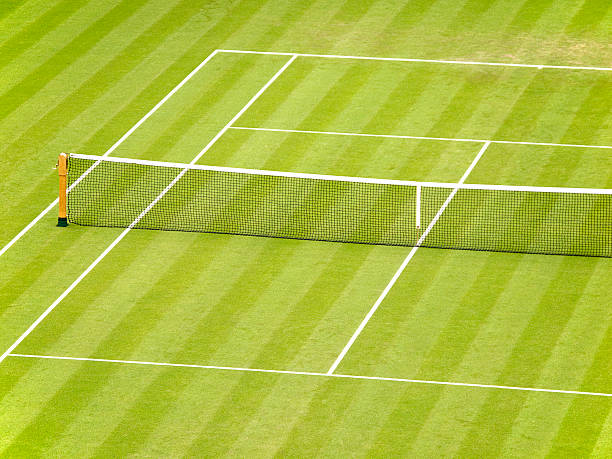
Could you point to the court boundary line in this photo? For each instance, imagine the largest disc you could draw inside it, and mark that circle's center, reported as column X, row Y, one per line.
column 113, row 147
column 312, row 373
column 431, row 61
column 144, row 212
column 402, row 267
column 414, row 137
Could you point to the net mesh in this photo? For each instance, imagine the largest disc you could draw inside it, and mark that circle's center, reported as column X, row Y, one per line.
column 120, row 194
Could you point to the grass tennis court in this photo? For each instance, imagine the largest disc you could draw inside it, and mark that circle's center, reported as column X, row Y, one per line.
column 185, row 344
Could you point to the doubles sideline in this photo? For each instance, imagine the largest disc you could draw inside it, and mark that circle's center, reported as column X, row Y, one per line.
column 309, row 373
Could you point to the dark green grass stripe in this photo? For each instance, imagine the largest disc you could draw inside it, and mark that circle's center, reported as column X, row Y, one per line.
column 409, row 16
column 8, row 6
column 585, row 418
column 283, row 345
column 85, row 41
column 216, row 326
column 457, row 114
column 238, row 408
column 54, row 417
column 530, row 354
column 145, row 414
column 163, row 144
column 328, row 108
column 351, row 12
column 405, row 420
column 593, row 115
column 468, row 316
column 45, row 23
column 589, row 16
column 124, row 61
column 529, row 14
column 528, row 107
column 22, row 277
column 470, row 13
column 326, row 408
column 581, row 427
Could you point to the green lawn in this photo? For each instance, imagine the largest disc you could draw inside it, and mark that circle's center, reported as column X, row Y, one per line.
column 78, row 74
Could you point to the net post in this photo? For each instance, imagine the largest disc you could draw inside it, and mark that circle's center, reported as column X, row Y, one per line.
column 418, row 208
column 62, row 169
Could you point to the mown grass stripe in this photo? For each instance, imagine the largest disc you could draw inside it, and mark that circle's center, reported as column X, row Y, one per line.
column 8, row 6
column 588, row 17
column 33, row 32
column 103, row 79
column 36, row 80
column 527, row 17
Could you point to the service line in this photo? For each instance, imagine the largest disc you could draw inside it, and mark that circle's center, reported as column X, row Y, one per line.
column 413, row 137
column 431, row 61
column 310, row 373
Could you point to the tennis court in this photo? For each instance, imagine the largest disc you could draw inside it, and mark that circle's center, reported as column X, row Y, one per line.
column 173, row 343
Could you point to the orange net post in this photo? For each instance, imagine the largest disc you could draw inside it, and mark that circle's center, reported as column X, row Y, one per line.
column 62, row 168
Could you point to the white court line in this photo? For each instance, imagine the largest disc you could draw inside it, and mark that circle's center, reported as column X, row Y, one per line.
column 129, row 228
column 400, row 270
column 432, row 61
column 310, row 373
column 344, row 178
column 413, row 137
column 111, row 149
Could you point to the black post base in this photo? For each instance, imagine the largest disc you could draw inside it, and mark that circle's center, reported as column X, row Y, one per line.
column 62, row 221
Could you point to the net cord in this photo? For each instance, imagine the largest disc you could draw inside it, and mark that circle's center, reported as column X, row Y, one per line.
column 341, row 178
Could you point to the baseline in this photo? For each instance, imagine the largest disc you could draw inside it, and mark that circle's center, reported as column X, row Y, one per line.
column 432, row 61
column 309, row 373
column 143, row 213
column 412, row 137
column 402, row 267
column 112, row 148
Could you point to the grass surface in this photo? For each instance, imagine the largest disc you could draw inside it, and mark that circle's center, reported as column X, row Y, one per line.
column 79, row 74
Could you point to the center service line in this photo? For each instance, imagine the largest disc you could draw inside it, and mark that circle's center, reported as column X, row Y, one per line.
column 144, row 212
column 400, row 270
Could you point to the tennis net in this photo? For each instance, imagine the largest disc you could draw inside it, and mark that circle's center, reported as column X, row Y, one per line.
column 126, row 193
